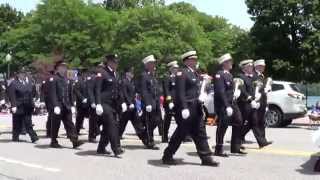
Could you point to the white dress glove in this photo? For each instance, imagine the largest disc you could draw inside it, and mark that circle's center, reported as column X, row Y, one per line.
column 185, row 113
column 99, row 109
column 236, row 94
column 57, row 110
column 131, row 106
column 257, row 96
column 2, row 102
column 73, row 110
column 14, row 110
column 84, row 101
column 171, row 106
column 229, row 111
column 267, row 89
column 93, row 105
column 202, row 97
column 124, row 107
column 255, row 105
column 149, row 108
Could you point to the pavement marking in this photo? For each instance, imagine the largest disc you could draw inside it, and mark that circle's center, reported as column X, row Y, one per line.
column 285, row 152
column 30, row 165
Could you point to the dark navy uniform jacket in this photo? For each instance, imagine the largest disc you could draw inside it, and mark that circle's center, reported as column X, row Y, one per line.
column 21, row 95
column 107, row 90
column 223, row 90
column 128, row 91
column 149, row 89
column 247, row 90
column 169, row 87
column 187, row 87
column 60, row 92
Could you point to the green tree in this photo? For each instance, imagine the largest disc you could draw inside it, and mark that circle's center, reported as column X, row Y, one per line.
column 284, row 33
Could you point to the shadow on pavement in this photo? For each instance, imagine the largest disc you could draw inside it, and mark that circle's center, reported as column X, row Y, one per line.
column 180, row 162
column 89, row 153
column 47, row 146
column 133, row 147
column 308, row 167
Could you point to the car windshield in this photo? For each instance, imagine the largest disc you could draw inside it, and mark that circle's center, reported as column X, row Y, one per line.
column 295, row 88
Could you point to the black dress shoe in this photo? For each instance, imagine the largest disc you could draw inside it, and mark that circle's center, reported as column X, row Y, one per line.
column 15, row 140
column 239, row 152
column 35, row 139
column 103, row 151
column 209, row 162
column 118, row 152
column 242, row 147
column 152, row 147
column 266, row 144
column 221, row 154
column 77, row 144
column 92, row 140
column 168, row 161
column 55, row 145
column 165, row 140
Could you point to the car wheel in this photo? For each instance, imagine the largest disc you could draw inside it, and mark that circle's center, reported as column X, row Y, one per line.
column 274, row 117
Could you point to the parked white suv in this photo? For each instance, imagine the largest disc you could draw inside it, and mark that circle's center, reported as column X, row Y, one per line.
column 285, row 102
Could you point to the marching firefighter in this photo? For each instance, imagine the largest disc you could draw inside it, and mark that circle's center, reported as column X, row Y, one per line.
column 169, row 85
column 228, row 112
column 60, row 97
column 21, row 93
column 189, row 112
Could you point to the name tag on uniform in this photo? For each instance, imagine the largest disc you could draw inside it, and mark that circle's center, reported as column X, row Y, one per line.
column 173, row 84
column 110, row 80
column 228, row 83
column 193, row 79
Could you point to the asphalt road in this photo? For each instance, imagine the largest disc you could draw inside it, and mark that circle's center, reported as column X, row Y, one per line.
column 292, row 156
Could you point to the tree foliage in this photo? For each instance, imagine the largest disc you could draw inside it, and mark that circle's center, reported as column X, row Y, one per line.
column 286, row 33
column 84, row 32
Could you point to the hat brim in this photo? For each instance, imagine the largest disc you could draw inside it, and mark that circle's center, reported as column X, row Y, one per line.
column 191, row 57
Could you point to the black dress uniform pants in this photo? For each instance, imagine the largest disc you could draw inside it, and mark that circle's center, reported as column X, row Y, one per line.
column 82, row 113
column 66, row 118
column 48, row 124
column 223, row 122
column 262, row 120
column 130, row 115
column 93, row 123
column 193, row 126
column 167, row 122
column 151, row 121
column 110, row 131
column 18, row 121
column 251, row 116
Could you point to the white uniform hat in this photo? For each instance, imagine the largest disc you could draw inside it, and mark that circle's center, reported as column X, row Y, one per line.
column 173, row 64
column 149, row 59
column 260, row 62
column 189, row 55
column 224, row 58
column 246, row 62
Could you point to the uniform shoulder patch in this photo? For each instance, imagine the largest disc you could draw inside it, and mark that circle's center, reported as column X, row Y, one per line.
column 51, row 79
column 179, row 73
column 218, row 76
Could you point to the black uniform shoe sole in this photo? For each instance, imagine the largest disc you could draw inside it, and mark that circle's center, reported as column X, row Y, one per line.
column 265, row 145
column 56, row 146
column 221, row 155
column 35, row 140
column 212, row 164
column 104, row 152
column 239, row 152
column 77, row 144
